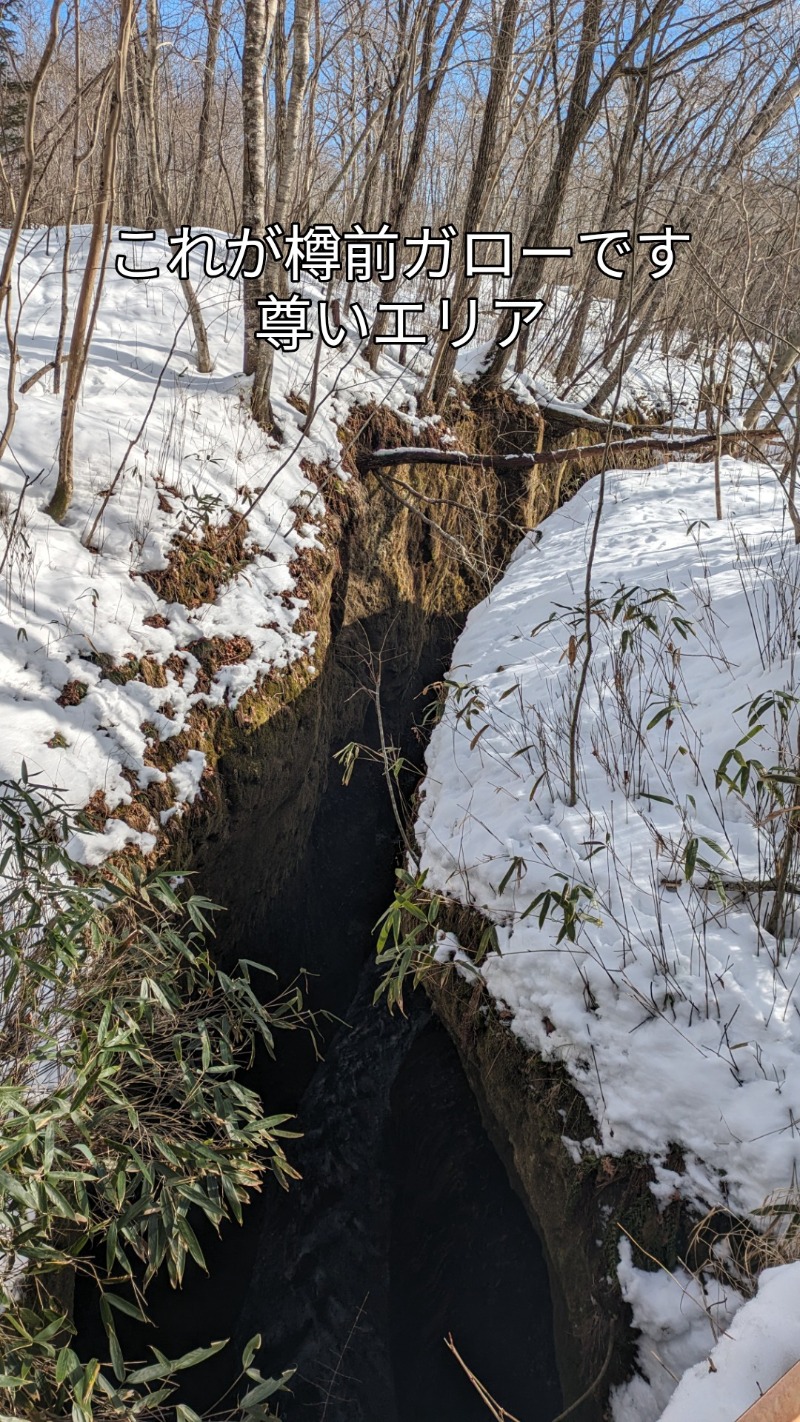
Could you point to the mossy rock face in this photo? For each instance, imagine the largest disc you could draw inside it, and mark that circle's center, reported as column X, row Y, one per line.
column 198, row 566
column 393, row 578
column 579, row 1208
column 385, row 588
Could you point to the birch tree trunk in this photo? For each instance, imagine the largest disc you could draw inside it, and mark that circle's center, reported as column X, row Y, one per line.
column 20, row 216
column 165, row 217
column 76, row 177
column 259, row 18
column 289, row 152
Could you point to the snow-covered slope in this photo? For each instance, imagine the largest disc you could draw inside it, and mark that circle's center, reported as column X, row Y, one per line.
column 180, row 454
column 631, row 925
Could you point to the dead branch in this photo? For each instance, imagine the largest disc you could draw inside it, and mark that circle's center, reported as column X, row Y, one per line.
column 517, row 463
column 37, row 376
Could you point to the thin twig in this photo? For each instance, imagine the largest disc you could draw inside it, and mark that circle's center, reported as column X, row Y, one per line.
column 13, row 529
column 499, row 1413
column 88, row 540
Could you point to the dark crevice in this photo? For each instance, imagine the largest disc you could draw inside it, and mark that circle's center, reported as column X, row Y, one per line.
column 404, row 1226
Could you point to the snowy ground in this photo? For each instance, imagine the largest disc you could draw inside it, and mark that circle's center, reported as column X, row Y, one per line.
column 180, row 451
column 631, row 926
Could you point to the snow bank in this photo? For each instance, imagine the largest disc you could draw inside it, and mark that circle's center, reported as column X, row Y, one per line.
column 631, row 925
column 680, row 1320
column 754, row 1352
column 178, row 451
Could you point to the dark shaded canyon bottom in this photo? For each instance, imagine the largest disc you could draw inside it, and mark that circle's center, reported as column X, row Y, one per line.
column 404, row 1227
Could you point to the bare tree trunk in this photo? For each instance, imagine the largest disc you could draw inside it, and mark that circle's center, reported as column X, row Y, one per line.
column 571, row 354
column 630, row 338
column 79, row 340
column 130, row 208
column 20, row 216
column 279, row 64
column 197, row 206
column 786, row 354
column 582, row 112
column 428, row 90
column 543, row 223
column 444, row 360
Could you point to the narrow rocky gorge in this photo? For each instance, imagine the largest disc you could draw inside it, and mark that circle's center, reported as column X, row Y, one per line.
column 418, row 1214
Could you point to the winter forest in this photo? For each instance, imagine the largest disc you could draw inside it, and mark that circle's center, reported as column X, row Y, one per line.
column 399, row 711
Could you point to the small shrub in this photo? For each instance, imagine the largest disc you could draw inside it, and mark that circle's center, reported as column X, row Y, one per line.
column 72, row 693
column 121, row 1112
